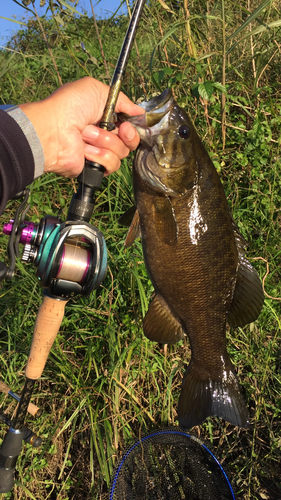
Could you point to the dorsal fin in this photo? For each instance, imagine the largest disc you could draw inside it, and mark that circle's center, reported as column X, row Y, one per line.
column 248, row 295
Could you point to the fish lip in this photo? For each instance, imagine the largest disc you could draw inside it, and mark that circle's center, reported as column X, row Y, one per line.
column 156, row 103
column 149, row 123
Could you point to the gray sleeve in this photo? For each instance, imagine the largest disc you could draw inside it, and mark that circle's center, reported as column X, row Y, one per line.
column 30, row 133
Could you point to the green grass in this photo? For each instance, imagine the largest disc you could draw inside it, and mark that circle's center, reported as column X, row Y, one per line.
column 104, row 383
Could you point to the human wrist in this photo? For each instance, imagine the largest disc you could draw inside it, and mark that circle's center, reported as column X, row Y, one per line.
column 31, row 135
column 42, row 120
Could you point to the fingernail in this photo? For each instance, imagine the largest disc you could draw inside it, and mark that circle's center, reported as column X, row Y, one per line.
column 94, row 132
column 130, row 133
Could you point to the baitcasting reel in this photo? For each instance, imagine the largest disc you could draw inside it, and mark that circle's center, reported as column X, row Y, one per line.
column 70, row 257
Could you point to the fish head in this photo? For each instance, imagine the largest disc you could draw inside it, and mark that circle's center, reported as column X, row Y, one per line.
column 167, row 157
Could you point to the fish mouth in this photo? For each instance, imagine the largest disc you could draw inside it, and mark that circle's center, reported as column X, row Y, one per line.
column 156, row 103
column 152, row 122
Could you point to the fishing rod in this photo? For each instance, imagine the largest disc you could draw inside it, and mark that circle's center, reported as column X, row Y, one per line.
column 71, row 259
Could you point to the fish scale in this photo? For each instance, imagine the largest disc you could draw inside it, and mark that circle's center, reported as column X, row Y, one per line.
column 195, row 258
column 190, row 301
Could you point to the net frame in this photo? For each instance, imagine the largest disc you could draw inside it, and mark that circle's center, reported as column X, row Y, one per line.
column 153, row 438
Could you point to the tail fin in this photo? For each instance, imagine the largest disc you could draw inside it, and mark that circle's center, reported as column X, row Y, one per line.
column 200, row 399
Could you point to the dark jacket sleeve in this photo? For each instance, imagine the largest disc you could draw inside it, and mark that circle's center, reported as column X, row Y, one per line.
column 16, row 159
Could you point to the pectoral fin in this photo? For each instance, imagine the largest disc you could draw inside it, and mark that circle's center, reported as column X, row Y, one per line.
column 135, row 230
column 165, row 221
column 248, row 295
column 127, row 218
column 160, row 325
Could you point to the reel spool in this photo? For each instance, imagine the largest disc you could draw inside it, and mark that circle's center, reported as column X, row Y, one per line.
column 74, row 264
column 170, row 464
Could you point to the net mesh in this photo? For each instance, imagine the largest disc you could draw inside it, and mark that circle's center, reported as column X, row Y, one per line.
column 169, row 465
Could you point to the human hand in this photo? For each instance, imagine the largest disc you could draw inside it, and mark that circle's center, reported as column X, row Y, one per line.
column 65, row 120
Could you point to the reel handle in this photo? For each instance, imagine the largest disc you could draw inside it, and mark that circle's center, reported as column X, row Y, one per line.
column 48, row 322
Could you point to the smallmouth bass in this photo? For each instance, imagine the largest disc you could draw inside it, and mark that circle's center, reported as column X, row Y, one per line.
column 195, row 258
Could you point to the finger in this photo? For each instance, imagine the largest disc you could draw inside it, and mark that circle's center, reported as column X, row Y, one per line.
column 103, row 139
column 125, row 105
column 109, row 160
column 129, row 135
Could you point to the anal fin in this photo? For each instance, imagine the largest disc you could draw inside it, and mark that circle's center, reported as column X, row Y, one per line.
column 160, row 325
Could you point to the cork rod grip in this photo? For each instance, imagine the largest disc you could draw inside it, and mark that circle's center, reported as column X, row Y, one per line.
column 48, row 322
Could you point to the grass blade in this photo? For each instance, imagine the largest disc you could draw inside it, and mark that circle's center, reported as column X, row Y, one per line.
column 250, row 19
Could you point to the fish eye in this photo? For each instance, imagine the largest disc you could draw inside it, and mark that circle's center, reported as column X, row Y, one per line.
column 184, row 132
